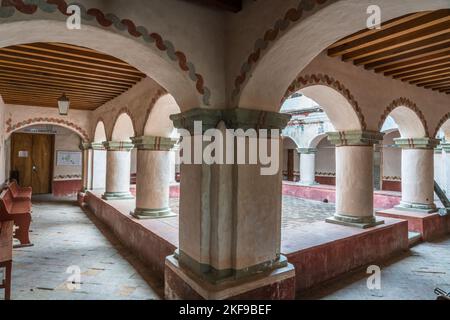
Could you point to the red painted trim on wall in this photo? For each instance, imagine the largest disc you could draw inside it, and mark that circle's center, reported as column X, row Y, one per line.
column 65, row 188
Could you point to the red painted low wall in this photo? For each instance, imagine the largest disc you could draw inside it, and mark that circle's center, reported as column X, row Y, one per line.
column 66, row 188
column 392, row 185
column 151, row 240
column 323, row 251
column 382, row 199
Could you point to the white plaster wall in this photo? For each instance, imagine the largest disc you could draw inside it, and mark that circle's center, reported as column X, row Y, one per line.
column 325, row 158
column 392, row 157
column 66, row 140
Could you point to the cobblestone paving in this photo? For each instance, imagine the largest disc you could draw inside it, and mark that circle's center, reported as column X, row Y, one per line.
column 63, row 236
column 412, row 276
column 295, row 211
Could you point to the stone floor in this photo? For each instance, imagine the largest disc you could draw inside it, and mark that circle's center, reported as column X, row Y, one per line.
column 65, row 236
column 412, row 276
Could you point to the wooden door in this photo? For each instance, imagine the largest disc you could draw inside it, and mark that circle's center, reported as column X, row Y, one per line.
column 32, row 156
column 21, row 148
column 290, row 165
column 42, row 155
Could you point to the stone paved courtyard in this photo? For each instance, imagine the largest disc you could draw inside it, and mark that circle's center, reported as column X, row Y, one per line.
column 66, row 236
column 63, row 236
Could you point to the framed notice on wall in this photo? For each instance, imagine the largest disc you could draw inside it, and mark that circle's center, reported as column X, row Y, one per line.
column 68, row 158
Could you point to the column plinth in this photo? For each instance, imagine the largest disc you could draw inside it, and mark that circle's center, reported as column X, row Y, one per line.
column 118, row 170
column 354, row 178
column 417, row 174
column 153, row 177
column 307, row 166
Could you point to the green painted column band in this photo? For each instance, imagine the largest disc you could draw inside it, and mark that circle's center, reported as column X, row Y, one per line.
column 355, row 138
column 307, row 150
column 416, row 143
column 118, row 145
column 352, row 221
column 214, row 276
column 443, row 147
column 85, row 146
column 97, row 146
column 420, row 207
column 117, row 196
column 233, row 118
column 140, row 213
column 154, row 143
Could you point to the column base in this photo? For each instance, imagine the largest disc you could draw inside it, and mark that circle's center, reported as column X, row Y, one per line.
column 417, row 207
column 357, row 222
column 181, row 283
column 140, row 213
column 308, row 184
column 117, row 196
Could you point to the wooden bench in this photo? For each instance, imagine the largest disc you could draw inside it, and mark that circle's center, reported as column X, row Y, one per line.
column 6, row 235
column 20, row 212
column 19, row 193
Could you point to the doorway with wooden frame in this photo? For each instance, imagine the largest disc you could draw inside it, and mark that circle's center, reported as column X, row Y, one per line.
column 32, row 160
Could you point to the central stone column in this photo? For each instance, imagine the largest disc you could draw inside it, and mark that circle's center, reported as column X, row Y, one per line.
column 118, row 164
column 354, row 178
column 230, row 215
column 153, row 176
column 417, row 174
column 307, row 166
column 86, row 169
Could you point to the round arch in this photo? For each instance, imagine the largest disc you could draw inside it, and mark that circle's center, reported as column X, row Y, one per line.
column 157, row 121
column 408, row 117
column 316, row 140
column 337, row 102
column 313, row 29
column 100, row 132
column 289, row 142
column 444, row 126
column 53, row 121
column 124, row 128
column 143, row 55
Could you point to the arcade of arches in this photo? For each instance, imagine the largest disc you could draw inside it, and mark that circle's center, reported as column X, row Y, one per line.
column 363, row 113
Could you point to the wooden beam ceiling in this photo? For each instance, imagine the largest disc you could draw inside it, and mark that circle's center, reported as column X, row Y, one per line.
column 414, row 48
column 38, row 73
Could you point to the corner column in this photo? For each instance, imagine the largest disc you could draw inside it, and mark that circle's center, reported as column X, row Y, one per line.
column 417, row 174
column 154, row 161
column 118, row 166
column 307, row 166
column 86, row 169
column 354, row 178
column 230, row 215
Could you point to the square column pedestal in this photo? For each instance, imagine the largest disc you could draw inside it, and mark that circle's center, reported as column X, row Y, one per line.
column 230, row 214
column 354, row 178
column 118, row 170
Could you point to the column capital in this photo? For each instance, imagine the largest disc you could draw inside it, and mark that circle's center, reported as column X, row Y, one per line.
column 236, row 118
column 154, row 143
column 307, row 150
column 97, row 146
column 85, row 146
column 416, row 143
column 443, row 147
column 118, row 145
column 355, row 138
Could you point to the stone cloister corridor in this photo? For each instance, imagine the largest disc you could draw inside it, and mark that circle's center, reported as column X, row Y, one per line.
column 225, row 150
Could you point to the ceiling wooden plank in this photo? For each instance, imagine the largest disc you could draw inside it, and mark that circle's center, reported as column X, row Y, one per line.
column 421, row 71
column 422, row 26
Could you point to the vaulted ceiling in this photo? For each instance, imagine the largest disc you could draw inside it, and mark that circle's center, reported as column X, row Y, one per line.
column 38, row 73
column 413, row 48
